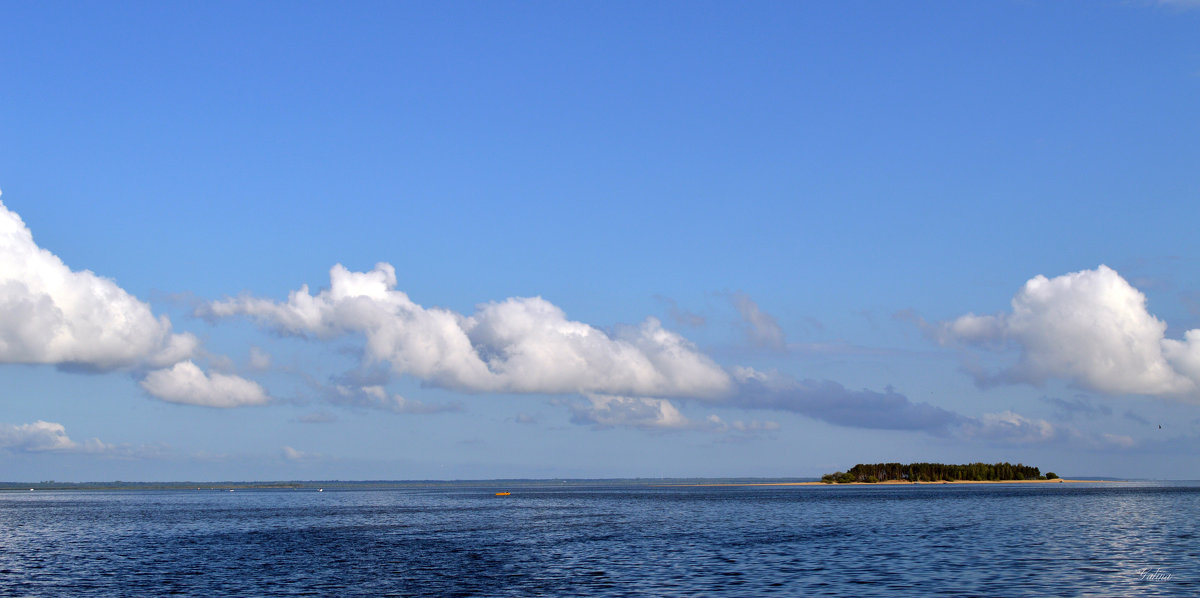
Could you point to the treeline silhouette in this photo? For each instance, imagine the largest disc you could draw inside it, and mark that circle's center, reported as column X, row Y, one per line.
column 936, row 472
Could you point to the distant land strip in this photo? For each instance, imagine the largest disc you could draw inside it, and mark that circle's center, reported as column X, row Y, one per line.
column 283, row 485
column 910, row 474
column 891, row 483
column 874, row 473
column 481, row 485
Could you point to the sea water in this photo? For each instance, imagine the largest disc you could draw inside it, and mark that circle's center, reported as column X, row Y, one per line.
column 618, row 539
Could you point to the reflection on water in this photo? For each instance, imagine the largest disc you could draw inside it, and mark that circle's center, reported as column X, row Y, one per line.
column 1011, row 540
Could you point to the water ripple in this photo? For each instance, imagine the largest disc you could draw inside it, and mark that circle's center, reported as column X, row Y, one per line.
column 1095, row 540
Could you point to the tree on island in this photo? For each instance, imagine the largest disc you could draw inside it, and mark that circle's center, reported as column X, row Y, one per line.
column 936, row 472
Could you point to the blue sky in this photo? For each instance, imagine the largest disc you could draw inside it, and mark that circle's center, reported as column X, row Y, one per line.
column 597, row 239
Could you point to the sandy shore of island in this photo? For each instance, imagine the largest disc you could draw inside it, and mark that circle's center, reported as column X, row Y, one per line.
column 891, row 483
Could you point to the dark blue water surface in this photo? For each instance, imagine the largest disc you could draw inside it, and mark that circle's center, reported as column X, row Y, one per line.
column 554, row 539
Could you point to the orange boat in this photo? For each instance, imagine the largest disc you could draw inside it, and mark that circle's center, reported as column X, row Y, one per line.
column 503, row 493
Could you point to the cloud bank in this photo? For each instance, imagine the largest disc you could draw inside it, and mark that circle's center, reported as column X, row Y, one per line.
column 520, row 345
column 629, row 377
column 1091, row 328
column 833, row 403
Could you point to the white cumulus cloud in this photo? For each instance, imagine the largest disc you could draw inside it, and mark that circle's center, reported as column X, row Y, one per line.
column 187, row 384
column 1090, row 327
column 43, row 436
column 524, row 345
column 50, row 314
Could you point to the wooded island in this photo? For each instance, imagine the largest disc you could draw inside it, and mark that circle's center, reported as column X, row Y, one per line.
column 936, row 472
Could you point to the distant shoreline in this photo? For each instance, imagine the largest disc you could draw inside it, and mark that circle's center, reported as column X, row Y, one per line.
column 895, row 483
column 11, row 487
